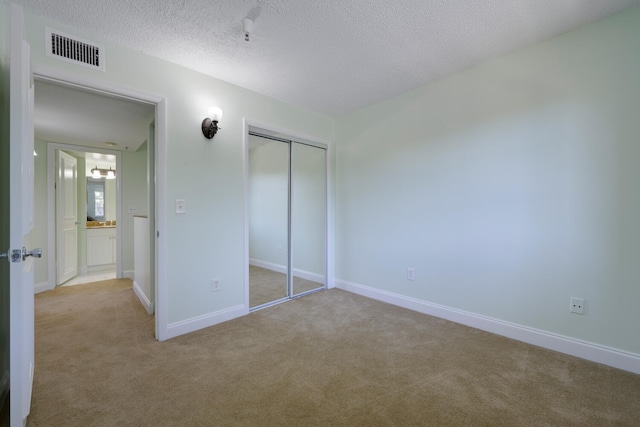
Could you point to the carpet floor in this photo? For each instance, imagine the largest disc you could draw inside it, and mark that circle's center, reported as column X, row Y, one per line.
column 267, row 286
column 331, row 358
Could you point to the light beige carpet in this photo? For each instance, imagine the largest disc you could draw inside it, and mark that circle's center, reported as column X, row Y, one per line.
column 328, row 359
column 267, row 286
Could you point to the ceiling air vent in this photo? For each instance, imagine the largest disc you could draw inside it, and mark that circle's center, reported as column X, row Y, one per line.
column 73, row 49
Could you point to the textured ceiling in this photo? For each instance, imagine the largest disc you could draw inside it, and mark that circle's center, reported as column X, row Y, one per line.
column 331, row 56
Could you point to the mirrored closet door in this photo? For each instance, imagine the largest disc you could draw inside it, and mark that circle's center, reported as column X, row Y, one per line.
column 287, row 218
column 308, row 217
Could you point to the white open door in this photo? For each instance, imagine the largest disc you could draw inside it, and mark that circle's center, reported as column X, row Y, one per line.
column 66, row 217
column 21, row 222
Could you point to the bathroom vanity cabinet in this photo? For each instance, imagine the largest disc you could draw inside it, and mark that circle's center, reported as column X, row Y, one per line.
column 101, row 246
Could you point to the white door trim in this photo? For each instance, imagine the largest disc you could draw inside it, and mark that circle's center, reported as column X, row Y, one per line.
column 63, row 77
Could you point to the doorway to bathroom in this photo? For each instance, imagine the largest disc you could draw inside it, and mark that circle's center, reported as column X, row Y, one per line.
column 87, row 199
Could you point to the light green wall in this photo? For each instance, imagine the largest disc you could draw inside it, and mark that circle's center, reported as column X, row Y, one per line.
column 109, row 199
column 208, row 174
column 133, row 187
column 40, row 212
column 509, row 187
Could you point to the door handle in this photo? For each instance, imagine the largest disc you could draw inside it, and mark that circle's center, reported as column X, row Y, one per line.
column 36, row 253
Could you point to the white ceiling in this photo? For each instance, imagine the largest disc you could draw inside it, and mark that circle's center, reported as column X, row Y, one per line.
column 331, row 56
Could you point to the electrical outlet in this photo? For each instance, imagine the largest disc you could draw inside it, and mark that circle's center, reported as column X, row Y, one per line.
column 181, row 206
column 411, row 273
column 577, row 305
column 215, row 285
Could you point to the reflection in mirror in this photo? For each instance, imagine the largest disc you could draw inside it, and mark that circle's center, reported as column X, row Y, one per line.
column 308, row 217
column 96, row 198
column 268, row 221
column 101, row 199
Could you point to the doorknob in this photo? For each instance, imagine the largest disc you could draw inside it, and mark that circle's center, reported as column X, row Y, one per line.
column 36, row 253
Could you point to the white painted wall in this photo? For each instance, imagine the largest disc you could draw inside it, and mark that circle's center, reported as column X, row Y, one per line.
column 208, row 240
column 509, row 187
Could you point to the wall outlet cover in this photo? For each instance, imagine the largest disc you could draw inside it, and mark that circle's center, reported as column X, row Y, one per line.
column 181, row 206
column 576, row 305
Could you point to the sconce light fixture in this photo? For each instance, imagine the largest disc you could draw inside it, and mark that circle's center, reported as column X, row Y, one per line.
column 210, row 123
column 103, row 173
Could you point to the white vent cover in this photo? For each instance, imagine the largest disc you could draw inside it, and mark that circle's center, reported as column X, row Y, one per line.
column 73, row 49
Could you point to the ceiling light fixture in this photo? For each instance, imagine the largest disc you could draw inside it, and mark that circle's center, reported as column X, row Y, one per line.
column 210, row 123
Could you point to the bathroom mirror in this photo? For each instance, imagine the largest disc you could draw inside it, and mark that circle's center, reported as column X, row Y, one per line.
column 96, row 199
column 101, row 199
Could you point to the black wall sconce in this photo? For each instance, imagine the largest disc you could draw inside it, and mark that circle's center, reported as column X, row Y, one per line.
column 210, row 124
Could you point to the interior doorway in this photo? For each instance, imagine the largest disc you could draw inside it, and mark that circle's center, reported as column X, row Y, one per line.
column 87, row 199
column 108, row 135
column 287, row 217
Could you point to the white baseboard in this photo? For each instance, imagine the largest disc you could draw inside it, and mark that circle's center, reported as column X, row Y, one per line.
column 42, row 287
column 129, row 274
column 303, row 274
column 146, row 303
column 594, row 352
column 204, row 321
